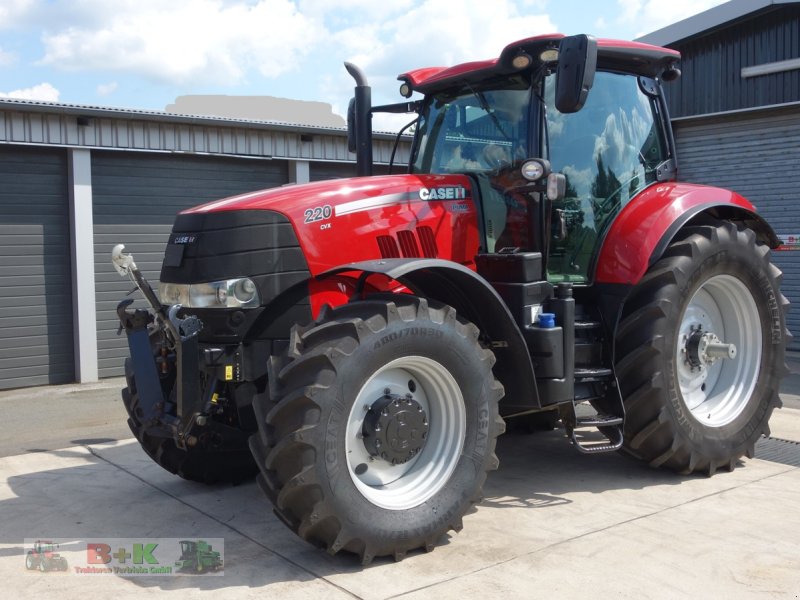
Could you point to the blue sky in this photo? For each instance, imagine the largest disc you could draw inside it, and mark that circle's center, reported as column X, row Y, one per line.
column 144, row 53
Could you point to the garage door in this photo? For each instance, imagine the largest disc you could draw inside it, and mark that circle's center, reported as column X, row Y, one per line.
column 320, row 171
column 136, row 197
column 757, row 156
column 36, row 345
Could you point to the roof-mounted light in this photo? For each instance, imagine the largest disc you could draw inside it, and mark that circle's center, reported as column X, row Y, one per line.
column 549, row 55
column 405, row 90
column 521, row 61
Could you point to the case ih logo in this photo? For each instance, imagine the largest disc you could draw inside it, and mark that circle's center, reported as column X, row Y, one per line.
column 184, row 239
column 450, row 192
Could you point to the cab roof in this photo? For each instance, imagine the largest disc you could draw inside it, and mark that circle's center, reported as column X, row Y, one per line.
column 614, row 55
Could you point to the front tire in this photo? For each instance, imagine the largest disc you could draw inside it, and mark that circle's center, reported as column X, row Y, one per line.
column 380, row 427
column 701, row 351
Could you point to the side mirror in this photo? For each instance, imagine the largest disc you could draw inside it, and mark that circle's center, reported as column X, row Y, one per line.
column 577, row 63
column 351, row 126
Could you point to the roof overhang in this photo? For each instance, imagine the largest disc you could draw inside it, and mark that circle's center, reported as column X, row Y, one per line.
column 633, row 57
column 101, row 112
column 709, row 19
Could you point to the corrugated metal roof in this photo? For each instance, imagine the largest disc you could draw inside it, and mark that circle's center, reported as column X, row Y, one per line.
column 30, row 122
column 86, row 110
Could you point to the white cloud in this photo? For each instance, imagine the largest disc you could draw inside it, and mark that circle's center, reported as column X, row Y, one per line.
column 184, row 41
column 13, row 12
column 437, row 32
column 650, row 15
column 104, row 89
column 42, row 91
column 350, row 10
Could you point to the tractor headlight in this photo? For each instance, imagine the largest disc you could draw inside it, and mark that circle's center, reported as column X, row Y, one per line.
column 228, row 293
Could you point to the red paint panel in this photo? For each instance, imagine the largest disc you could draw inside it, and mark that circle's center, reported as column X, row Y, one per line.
column 432, row 75
column 640, row 226
column 419, row 75
column 339, row 289
column 639, row 46
column 339, row 222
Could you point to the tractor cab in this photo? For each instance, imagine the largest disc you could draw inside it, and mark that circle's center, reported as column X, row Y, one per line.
column 608, row 145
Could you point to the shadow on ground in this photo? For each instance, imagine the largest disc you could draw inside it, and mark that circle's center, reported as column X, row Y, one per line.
column 115, row 491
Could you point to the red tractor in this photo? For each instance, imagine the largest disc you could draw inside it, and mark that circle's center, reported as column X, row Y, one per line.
column 44, row 557
column 366, row 339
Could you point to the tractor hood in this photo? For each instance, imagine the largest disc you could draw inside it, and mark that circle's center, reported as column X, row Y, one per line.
column 350, row 220
column 346, row 196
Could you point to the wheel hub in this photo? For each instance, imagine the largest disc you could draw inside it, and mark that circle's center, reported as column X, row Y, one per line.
column 704, row 348
column 395, row 428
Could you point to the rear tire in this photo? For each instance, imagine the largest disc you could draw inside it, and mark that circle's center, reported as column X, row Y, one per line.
column 411, row 376
column 685, row 409
column 195, row 464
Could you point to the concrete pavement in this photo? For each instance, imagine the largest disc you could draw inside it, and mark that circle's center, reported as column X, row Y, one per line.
column 554, row 523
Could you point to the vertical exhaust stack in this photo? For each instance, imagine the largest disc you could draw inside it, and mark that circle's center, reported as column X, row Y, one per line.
column 359, row 121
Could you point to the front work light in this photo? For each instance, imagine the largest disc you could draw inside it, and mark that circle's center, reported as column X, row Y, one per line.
column 228, row 293
column 534, row 169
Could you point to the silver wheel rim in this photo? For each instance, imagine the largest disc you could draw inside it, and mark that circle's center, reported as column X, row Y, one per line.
column 717, row 393
column 404, row 486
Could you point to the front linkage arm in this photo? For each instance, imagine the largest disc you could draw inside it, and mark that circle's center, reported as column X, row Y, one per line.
column 181, row 337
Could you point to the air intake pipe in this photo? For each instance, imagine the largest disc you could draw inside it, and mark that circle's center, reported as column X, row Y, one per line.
column 359, row 121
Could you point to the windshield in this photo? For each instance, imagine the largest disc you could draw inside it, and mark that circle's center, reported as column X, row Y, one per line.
column 476, row 129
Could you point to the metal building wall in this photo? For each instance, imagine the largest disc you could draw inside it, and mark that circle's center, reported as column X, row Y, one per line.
column 758, row 156
column 36, row 337
column 136, row 198
column 712, row 63
column 320, row 171
column 23, row 122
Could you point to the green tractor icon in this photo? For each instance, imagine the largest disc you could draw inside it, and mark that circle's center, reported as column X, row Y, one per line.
column 198, row 557
column 45, row 558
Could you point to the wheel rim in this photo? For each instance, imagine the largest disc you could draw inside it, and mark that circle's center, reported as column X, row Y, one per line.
column 432, row 388
column 716, row 391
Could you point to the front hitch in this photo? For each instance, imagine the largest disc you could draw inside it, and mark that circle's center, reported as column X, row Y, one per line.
column 148, row 383
column 181, row 348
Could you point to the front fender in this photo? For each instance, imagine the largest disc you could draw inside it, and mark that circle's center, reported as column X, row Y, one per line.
column 477, row 301
column 642, row 231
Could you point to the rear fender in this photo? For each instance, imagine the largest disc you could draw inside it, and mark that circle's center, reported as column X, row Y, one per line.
column 644, row 229
column 475, row 300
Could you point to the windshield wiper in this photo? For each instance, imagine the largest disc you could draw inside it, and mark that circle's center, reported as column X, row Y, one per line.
column 488, row 110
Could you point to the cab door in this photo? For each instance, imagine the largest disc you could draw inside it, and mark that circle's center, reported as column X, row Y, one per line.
column 609, row 151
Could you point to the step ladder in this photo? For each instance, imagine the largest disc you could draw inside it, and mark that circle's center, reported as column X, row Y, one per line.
column 579, row 428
